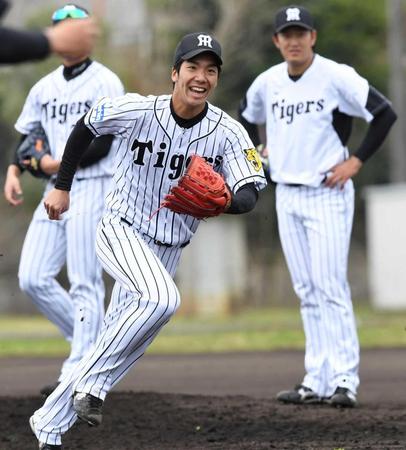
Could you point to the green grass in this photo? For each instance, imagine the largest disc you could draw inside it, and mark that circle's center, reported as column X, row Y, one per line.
column 252, row 330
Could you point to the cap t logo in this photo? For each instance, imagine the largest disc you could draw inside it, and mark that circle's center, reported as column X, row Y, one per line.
column 292, row 14
column 204, row 40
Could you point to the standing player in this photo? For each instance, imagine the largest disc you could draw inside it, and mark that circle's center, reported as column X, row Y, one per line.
column 57, row 101
column 307, row 103
column 140, row 249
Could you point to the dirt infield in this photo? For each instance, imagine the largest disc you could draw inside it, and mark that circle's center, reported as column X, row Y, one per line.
column 217, row 402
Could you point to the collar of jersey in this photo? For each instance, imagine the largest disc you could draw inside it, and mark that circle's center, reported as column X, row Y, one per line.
column 73, row 71
column 189, row 123
column 295, row 78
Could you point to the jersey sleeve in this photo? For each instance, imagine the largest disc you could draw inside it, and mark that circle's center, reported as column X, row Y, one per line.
column 112, row 87
column 30, row 114
column 353, row 90
column 241, row 164
column 255, row 111
column 111, row 116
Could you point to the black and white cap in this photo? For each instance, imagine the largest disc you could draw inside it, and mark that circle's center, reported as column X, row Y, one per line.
column 193, row 44
column 293, row 16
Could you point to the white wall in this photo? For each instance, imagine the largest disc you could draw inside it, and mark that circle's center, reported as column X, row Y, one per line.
column 213, row 269
column 386, row 245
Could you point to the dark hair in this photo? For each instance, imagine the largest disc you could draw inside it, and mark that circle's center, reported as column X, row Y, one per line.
column 179, row 63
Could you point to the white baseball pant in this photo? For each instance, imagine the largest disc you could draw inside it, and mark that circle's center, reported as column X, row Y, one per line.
column 143, row 300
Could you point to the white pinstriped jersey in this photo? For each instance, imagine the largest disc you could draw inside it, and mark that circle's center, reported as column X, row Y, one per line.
column 58, row 104
column 301, row 139
column 153, row 146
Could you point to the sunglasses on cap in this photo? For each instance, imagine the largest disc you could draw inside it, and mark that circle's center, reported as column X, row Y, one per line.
column 69, row 12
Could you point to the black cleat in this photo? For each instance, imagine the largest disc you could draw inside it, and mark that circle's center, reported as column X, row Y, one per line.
column 43, row 446
column 88, row 408
column 48, row 389
column 342, row 398
column 300, row 395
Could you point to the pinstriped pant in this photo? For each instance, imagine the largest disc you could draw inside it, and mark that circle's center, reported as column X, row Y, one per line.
column 315, row 229
column 48, row 246
column 143, row 300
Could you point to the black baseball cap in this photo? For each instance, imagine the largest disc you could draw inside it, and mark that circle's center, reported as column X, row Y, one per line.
column 293, row 16
column 193, row 44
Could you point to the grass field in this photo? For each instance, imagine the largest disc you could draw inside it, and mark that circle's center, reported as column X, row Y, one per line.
column 268, row 329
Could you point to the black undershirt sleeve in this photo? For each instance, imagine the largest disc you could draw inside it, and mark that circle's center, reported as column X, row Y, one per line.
column 76, row 145
column 18, row 46
column 243, row 200
column 252, row 129
column 384, row 118
column 98, row 149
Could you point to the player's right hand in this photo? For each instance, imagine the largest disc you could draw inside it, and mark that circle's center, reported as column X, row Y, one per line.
column 12, row 187
column 56, row 203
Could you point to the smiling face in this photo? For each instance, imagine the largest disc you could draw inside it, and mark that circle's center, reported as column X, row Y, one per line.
column 193, row 83
column 296, row 47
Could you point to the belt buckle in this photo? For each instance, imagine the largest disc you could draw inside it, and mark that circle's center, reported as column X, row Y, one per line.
column 164, row 244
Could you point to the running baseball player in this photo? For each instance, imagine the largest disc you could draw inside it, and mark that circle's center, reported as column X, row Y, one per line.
column 56, row 102
column 140, row 238
column 307, row 103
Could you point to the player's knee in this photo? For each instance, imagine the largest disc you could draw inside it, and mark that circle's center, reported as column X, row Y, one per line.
column 304, row 290
column 168, row 303
column 30, row 284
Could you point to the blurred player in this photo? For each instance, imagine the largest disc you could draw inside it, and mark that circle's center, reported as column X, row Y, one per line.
column 307, row 103
column 57, row 101
column 141, row 250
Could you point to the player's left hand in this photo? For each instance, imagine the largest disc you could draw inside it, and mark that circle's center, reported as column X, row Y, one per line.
column 56, row 203
column 32, row 150
column 341, row 173
column 201, row 192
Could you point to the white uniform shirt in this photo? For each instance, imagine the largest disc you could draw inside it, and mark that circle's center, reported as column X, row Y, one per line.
column 152, row 156
column 59, row 103
column 303, row 144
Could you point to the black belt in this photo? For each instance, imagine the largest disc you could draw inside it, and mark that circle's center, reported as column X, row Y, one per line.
column 300, row 185
column 164, row 244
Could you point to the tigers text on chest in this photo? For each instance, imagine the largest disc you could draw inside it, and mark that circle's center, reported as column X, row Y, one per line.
column 288, row 111
column 54, row 110
column 163, row 157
